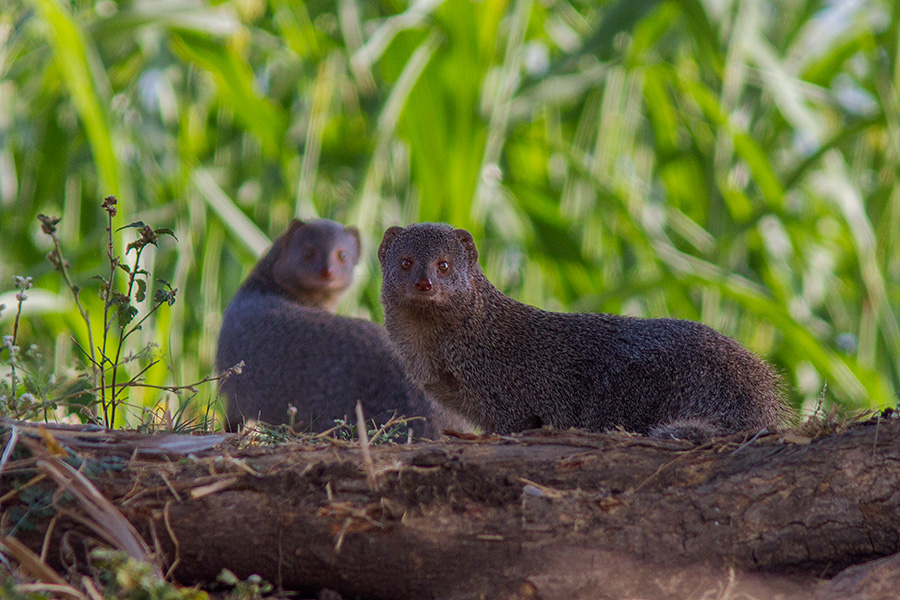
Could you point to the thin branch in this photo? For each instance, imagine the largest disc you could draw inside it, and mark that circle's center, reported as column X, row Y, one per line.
column 76, row 291
column 122, row 335
column 90, row 356
column 109, row 408
column 20, row 298
column 144, row 318
column 168, row 388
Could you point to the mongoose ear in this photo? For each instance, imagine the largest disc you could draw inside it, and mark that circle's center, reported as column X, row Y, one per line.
column 292, row 228
column 468, row 242
column 285, row 238
column 386, row 241
column 355, row 233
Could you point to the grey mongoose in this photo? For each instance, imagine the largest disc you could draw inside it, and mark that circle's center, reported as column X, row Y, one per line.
column 297, row 353
column 506, row 366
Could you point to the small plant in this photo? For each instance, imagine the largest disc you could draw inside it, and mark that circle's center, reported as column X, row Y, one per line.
column 252, row 588
column 9, row 393
column 114, row 575
column 119, row 308
column 396, row 430
column 125, row 578
column 126, row 285
column 9, row 589
column 23, row 388
column 184, row 419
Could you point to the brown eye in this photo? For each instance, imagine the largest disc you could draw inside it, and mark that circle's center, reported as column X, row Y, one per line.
column 342, row 255
column 443, row 266
column 308, row 253
column 405, row 264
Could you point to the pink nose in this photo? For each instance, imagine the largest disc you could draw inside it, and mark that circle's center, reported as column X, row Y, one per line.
column 326, row 273
column 423, row 284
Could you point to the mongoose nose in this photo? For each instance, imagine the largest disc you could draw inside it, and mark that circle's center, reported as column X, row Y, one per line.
column 423, row 284
column 326, row 273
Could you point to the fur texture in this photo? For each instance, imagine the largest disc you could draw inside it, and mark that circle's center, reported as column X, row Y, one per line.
column 506, row 366
column 298, row 353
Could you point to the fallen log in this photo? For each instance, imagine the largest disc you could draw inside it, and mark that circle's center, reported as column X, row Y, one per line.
column 542, row 514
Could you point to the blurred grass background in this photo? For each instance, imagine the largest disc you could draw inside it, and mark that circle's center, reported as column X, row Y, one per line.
column 729, row 161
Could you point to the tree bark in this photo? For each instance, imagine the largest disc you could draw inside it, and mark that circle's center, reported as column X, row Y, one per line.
column 543, row 514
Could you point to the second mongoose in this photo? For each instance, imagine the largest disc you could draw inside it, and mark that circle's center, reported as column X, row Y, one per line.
column 506, row 366
column 302, row 364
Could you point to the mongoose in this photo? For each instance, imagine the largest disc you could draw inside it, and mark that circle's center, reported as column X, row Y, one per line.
column 297, row 353
column 506, row 366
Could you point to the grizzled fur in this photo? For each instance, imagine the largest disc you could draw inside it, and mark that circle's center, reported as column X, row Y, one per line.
column 296, row 352
column 507, row 366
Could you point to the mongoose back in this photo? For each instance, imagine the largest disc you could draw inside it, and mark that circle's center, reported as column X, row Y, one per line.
column 506, row 366
column 297, row 353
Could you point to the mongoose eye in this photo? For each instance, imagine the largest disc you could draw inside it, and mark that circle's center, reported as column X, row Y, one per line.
column 342, row 255
column 308, row 253
column 443, row 266
column 405, row 264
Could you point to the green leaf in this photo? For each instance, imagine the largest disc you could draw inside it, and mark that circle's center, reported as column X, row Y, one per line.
column 83, row 73
column 125, row 314
column 235, row 87
column 141, row 291
column 705, row 36
column 177, row 15
column 296, row 28
column 165, row 296
column 764, row 174
column 165, row 231
column 136, row 224
column 621, row 17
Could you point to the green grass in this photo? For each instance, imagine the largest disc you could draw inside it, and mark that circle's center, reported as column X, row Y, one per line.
column 734, row 163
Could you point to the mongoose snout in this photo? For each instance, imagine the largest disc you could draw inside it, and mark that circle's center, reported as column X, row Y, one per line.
column 506, row 366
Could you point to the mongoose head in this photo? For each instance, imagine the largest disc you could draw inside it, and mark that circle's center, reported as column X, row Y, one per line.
column 428, row 265
column 312, row 263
